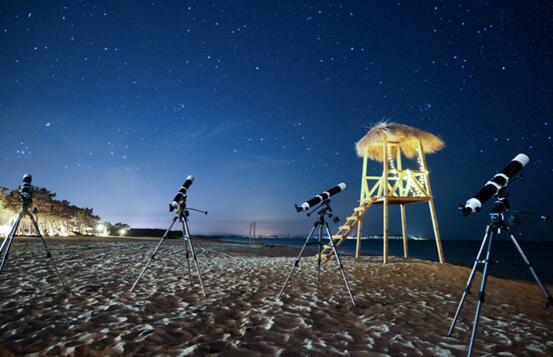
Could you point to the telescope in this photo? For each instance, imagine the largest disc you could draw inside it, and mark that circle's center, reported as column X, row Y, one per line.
column 181, row 216
column 321, row 198
column 498, row 182
column 26, row 189
column 180, row 197
column 323, row 211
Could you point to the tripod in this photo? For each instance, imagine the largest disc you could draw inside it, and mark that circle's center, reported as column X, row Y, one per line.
column 7, row 243
column 181, row 215
column 323, row 211
column 501, row 218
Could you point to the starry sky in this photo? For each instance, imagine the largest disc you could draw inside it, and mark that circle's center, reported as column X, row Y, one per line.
column 111, row 104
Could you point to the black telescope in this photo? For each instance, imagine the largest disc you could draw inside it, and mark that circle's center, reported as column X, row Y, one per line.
column 181, row 193
column 26, row 188
column 322, row 197
column 498, row 182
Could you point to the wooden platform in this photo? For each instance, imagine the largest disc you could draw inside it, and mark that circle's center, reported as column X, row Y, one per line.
column 392, row 200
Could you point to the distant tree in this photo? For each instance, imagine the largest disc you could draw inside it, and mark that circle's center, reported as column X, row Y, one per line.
column 55, row 217
column 115, row 229
column 5, row 213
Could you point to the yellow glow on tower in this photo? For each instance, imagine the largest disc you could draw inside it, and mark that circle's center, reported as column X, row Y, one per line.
column 389, row 144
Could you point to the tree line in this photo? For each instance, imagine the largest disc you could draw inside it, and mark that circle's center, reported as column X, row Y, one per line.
column 54, row 217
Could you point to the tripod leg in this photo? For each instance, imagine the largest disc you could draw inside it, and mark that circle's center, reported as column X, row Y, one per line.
column 48, row 254
column 7, row 243
column 469, row 281
column 481, row 294
column 153, row 254
column 319, row 259
column 340, row 264
column 531, row 268
column 297, row 261
column 185, row 238
column 7, row 238
column 187, row 232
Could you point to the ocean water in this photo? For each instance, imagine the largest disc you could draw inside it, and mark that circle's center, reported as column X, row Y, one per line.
column 506, row 261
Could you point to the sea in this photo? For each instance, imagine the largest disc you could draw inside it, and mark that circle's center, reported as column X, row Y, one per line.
column 505, row 259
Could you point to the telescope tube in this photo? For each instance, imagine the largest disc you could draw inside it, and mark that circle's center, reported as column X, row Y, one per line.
column 322, row 197
column 26, row 184
column 492, row 187
column 181, row 193
column 26, row 189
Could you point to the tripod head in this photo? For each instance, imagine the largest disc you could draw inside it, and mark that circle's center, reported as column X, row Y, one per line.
column 501, row 203
column 502, row 211
column 183, row 211
column 324, row 210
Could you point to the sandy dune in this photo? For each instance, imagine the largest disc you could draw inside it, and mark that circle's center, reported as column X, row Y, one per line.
column 404, row 308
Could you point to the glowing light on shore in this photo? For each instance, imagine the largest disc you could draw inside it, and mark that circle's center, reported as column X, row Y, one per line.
column 122, row 231
column 5, row 229
column 100, row 228
column 62, row 232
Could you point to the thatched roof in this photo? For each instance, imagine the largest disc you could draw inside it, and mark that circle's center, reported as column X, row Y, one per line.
column 407, row 137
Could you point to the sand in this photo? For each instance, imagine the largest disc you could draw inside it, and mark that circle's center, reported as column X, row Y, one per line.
column 404, row 307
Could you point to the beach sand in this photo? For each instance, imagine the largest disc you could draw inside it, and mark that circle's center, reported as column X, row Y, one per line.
column 404, row 307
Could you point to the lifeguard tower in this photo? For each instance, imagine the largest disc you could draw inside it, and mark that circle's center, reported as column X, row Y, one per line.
column 388, row 143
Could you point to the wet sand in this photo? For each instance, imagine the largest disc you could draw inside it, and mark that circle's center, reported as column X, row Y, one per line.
column 404, row 307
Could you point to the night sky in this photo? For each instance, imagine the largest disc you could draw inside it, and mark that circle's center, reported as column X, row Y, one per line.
column 112, row 104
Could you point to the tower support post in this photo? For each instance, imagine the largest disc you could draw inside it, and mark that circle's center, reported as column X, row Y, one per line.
column 359, row 235
column 431, row 206
column 385, row 230
column 385, row 234
column 404, row 231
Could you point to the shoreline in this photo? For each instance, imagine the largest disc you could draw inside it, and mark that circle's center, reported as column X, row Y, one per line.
column 286, row 250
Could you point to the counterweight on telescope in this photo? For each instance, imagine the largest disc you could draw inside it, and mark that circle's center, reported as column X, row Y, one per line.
column 181, row 193
column 492, row 187
column 322, row 197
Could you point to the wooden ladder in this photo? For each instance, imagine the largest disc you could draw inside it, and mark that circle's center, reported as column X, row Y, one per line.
column 345, row 230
